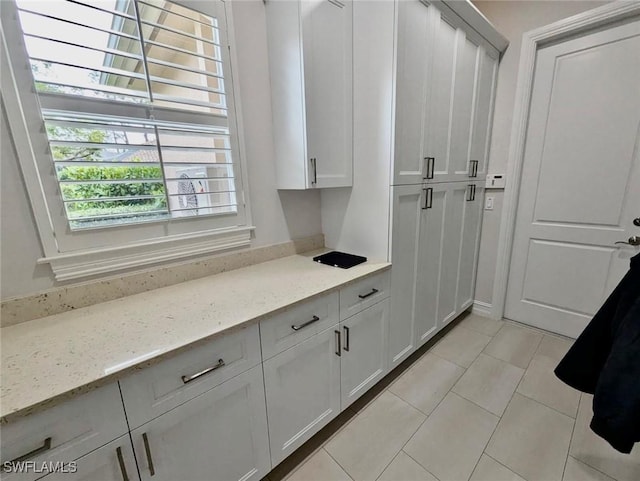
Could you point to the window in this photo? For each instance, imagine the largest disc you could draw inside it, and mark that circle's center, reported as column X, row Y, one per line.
column 137, row 141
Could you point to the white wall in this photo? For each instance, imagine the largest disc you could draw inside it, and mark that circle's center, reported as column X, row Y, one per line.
column 278, row 216
column 512, row 19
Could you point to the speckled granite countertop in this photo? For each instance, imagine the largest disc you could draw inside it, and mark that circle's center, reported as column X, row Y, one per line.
column 50, row 359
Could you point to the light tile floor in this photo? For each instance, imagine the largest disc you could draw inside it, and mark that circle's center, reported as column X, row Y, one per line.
column 482, row 404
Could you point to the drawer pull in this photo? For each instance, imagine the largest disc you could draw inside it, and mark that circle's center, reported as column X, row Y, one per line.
column 338, row 353
column 193, row 377
column 46, row 446
column 305, row 324
column 364, row 296
column 123, row 468
column 147, row 450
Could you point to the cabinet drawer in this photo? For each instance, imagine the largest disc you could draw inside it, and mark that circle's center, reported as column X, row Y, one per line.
column 364, row 293
column 157, row 389
column 293, row 326
column 62, row 433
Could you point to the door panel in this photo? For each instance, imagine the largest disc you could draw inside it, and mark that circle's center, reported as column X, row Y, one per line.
column 223, row 431
column 581, row 180
column 411, row 78
column 328, row 74
column 407, row 212
column 470, row 245
column 364, row 351
column 429, row 262
column 438, row 110
column 451, row 241
column 463, row 96
column 483, row 115
column 303, row 391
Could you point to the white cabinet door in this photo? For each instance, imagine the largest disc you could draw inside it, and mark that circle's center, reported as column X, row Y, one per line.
column 364, row 351
column 462, row 108
column 456, row 196
column 411, row 90
column 407, row 211
column 429, row 260
column 440, row 99
column 303, row 391
column 111, row 462
column 483, row 115
column 221, row 434
column 327, row 31
column 470, row 245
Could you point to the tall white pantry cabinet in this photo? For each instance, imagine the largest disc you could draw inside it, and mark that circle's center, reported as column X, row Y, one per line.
column 445, row 82
column 423, row 107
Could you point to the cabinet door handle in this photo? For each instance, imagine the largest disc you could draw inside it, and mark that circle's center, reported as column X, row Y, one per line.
column 338, row 353
column 431, row 165
column 46, row 446
column 193, row 377
column 346, row 338
column 474, row 191
column 147, row 450
column 428, row 198
column 305, row 324
column 368, row 294
column 123, row 468
column 315, row 170
column 469, row 192
column 473, row 168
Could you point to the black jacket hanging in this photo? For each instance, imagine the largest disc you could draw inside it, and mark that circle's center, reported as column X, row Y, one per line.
column 605, row 361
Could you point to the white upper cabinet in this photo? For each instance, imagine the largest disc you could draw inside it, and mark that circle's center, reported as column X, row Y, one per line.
column 445, row 78
column 311, row 65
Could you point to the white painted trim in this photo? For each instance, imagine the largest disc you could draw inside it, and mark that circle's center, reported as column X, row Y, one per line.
column 76, row 265
column 531, row 40
column 476, row 20
column 482, row 309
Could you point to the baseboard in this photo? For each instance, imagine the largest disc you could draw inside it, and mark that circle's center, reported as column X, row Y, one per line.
column 481, row 308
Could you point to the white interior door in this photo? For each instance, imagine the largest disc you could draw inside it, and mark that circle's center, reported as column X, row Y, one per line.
column 580, row 188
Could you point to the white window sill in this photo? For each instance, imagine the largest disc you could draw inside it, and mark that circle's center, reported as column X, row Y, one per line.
column 87, row 263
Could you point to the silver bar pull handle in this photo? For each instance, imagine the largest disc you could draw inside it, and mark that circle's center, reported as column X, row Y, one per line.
column 123, row 468
column 469, row 192
column 428, row 198
column 46, row 446
column 193, row 377
column 338, row 353
column 368, row 294
column 305, row 324
column 346, row 338
column 147, row 450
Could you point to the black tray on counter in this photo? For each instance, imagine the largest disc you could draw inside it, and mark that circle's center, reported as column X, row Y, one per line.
column 340, row 259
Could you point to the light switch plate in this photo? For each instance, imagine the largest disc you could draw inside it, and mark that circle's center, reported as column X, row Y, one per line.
column 496, row 181
column 488, row 203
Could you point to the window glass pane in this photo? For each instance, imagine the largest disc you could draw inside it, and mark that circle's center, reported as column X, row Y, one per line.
column 117, row 170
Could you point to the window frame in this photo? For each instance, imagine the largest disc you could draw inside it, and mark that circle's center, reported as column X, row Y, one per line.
column 102, row 250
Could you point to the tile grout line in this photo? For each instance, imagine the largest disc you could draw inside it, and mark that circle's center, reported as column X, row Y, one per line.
column 503, row 465
column 337, row 462
column 416, row 461
column 573, row 430
column 550, row 407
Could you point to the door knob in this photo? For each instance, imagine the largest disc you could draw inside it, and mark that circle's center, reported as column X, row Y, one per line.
column 634, row 240
column 636, row 221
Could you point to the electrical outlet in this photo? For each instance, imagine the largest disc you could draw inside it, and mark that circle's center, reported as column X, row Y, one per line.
column 488, row 204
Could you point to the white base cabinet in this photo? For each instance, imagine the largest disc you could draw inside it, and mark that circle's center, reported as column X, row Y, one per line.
column 364, row 351
column 221, row 434
column 111, row 462
column 303, row 391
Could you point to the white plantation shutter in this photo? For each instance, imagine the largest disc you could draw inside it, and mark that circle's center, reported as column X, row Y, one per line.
column 136, row 108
